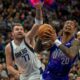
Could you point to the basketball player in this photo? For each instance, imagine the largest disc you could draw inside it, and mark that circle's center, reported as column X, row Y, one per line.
column 22, row 48
column 63, row 51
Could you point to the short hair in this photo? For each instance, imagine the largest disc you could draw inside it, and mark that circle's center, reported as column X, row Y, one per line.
column 16, row 24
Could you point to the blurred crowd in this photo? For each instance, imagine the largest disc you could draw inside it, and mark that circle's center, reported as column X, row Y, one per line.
column 13, row 11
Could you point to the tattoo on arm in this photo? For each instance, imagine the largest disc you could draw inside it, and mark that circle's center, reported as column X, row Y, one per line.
column 72, row 51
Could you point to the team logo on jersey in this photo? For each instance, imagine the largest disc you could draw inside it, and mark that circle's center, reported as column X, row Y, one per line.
column 58, row 54
column 23, row 53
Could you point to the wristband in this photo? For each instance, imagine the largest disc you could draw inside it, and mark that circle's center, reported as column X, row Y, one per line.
column 57, row 42
column 38, row 22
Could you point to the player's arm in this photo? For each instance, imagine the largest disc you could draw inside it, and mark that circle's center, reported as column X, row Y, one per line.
column 9, row 61
column 38, row 21
column 70, row 52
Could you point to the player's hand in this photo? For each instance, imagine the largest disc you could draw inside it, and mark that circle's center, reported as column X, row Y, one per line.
column 18, row 73
column 39, row 5
column 49, row 36
column 17, row 76
column 20, row 70
column 48, row 40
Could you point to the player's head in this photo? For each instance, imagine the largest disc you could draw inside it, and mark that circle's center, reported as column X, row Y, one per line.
column 70, row 27
column 18, row 31
column 45, row 35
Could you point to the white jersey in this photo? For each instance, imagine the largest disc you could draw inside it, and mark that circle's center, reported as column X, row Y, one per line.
column 26, row 59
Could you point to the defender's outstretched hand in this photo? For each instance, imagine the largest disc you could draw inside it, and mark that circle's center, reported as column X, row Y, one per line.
column 38, row 5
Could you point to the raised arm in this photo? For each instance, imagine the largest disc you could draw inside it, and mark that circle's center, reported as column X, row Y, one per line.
column 38, row 21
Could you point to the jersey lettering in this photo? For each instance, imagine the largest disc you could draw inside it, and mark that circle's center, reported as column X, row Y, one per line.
column 24, row 54
column 58, row 54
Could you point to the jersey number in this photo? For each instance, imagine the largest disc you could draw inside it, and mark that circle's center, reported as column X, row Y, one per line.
column 64, row 60
column 26, row 57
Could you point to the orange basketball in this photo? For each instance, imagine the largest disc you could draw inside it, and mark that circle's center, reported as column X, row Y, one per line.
column 45, row 30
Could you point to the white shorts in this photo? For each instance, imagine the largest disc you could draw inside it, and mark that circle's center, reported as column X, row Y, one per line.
column 32, row 77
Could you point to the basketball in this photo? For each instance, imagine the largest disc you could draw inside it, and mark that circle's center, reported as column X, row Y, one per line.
column 45, row 31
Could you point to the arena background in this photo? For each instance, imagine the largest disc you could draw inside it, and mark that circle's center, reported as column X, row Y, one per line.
column 55, row 12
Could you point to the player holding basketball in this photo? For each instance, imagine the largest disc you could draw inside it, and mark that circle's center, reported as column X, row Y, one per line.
column 22, row 48
column 63, row 51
